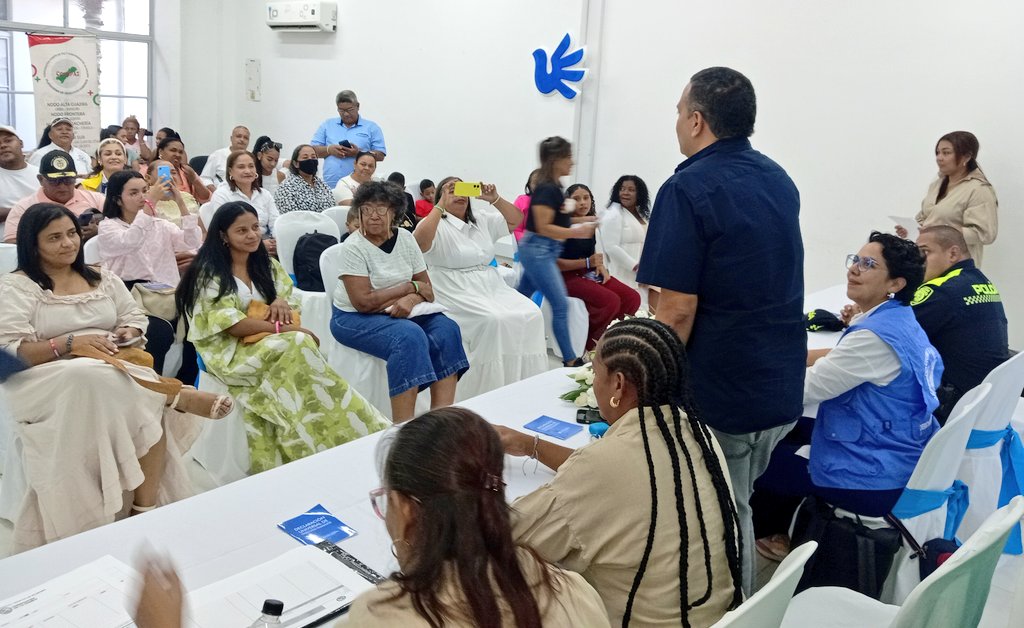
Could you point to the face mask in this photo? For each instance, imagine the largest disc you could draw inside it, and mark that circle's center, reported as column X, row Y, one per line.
column 308, row 166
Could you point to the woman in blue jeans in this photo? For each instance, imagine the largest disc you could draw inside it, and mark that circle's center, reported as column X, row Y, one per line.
column 549, row 224
column 378, row 303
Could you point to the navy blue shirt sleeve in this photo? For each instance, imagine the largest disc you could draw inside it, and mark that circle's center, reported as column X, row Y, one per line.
column 935, row 312
column 674, row 249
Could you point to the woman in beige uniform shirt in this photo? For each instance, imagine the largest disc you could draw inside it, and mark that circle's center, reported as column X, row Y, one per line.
column 961, row 197
column 618, row 508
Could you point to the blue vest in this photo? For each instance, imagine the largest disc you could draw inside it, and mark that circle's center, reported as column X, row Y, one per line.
column 871, row 437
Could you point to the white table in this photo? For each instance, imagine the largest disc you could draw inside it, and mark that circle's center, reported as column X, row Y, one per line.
column 226, row 530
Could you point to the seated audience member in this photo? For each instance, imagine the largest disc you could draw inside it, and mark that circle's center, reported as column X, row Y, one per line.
column 304, row 190
column 366, row 165
column 267, row 153
column 163, row 133
column 623, row 230
column 876, row 400
column 17, row 178
column 172, row 149
column 135, row 139
column 133, row 159
column 293, row 403
column 351, row 223
column 57, row 184
column 215, row 170
column 443, row 502
column 244, row 184
column 167, row 206
column 670, row 561
column 587, row 278
column 406, row 219
column 339, row 140
column 60, row 135
column 87, row 430
column 523, row 202
column 502, row 330
column 426, row 202
column 111, row 157
column 383, row 278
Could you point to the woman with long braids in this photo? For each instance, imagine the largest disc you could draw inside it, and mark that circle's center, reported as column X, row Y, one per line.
column 674, row 561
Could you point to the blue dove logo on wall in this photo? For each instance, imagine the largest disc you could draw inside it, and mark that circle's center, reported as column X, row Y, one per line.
column 557, row 75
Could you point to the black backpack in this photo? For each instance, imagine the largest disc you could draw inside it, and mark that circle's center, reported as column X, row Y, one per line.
column 306, row 260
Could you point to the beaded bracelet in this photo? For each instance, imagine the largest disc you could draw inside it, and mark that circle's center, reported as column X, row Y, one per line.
column 67, row 343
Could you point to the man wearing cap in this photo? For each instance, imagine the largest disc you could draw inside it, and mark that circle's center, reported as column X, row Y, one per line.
column 357, row 133
column 59, row 135
column 17, row 180
column 57, row 180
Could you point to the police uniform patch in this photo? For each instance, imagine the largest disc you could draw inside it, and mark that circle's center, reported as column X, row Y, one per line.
column 59, row 163
column 922, row 295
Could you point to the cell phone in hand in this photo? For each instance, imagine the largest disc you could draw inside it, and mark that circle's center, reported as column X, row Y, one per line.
column 588, row 416
column 86, row 218
column 466, row 188
column 163, row 172
column 345, row 143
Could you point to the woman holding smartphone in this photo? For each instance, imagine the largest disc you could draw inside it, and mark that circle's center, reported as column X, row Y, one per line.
column 548, row 225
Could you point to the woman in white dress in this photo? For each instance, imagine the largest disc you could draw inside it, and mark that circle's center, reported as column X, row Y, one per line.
column 623, row 230
column 502, row 330
column 362, row 172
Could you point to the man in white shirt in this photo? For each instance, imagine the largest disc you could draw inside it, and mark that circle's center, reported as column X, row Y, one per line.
column 17, row 180
column 215, row 171
column 61, row 133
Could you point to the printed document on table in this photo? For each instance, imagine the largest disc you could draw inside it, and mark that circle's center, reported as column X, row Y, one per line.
column 96, row 595
column 311, row 583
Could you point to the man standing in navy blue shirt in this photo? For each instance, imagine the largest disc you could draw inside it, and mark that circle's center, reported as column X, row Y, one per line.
column 724, row 246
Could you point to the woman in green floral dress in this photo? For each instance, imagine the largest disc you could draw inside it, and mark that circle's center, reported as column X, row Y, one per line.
column 294, row 404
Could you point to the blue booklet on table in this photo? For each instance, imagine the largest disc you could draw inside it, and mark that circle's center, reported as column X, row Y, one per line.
column 317, row 525
column 550, row 426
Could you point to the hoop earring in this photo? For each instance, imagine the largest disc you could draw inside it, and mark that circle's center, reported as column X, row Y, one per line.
column 613, row 402
column 394, row 552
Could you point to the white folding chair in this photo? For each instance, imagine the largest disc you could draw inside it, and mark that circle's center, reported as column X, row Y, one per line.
column 339, row 215
column 766, row 608
column 935, row 472
column 91, row 251
column 994, row 463
column 222, row 447
column 206, row 212
column 8, row 257
column 292, row 226
column 953, row 596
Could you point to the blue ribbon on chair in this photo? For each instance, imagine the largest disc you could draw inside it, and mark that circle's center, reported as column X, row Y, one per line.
column 1012, row 458
column 915, row 502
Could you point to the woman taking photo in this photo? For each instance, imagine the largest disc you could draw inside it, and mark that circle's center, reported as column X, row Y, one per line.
column 673, row 557
column 246, row 185
column 242, row 321
column 442, row 500
column 623, row 230
column 365, row 166
column 111, row 157
column 548, row 224
column 93, row 425
column 502, row 331
column 267, row 153
column 172, row 149
column 383, row 279
column 961, row 197
column 304, row 190
column 586, row 277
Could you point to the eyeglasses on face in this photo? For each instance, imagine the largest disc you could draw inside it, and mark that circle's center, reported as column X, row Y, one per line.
column 379, row 501
column 862, row 263
column 375, row 210
column 347, row 111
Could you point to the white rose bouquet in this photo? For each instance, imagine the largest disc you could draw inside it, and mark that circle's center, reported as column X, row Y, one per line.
column 583, row 395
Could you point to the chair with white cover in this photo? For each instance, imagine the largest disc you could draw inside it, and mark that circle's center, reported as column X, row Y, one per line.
column 953, row 596
column 222, row 447
column 8, row 257
column 579, row 325
column 766, row 608
column 91, row 251
column 293, row 225
column 933, row 503
column 339, row 215
column 206, row 212
column 994, row 463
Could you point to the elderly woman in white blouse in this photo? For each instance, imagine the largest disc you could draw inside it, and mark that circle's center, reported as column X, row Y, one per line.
column 623, row 230
column 502, row 330
column 245, row 184
column 362, row 172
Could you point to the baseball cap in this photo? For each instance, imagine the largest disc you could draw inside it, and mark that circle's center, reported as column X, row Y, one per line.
column 8, row 129
column 57, row 164
column 60, row 119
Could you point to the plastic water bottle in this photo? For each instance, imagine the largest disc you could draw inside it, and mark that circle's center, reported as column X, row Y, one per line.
column 271, row 616
column 597, row 430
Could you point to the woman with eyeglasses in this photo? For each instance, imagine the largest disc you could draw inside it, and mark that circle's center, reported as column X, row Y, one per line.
column 384, row 306
column 876, row 391
column 268, row 153
column 443, row 503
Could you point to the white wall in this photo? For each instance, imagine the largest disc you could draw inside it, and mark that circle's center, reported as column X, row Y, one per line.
column 852, row 96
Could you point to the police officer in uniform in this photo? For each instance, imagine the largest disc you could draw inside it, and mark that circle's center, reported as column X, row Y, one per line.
column 961, row 312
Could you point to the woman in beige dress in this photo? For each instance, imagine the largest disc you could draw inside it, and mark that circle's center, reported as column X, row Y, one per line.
column 90, row 427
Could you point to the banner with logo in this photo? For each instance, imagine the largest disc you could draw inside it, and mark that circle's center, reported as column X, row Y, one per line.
column 65, row 77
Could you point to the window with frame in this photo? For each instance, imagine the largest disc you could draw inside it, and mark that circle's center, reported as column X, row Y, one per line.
column 124, row 32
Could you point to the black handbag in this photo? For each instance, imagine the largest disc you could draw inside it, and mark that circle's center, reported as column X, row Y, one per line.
column 849, row 554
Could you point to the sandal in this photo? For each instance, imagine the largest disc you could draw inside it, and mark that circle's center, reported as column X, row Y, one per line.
column 220, row 408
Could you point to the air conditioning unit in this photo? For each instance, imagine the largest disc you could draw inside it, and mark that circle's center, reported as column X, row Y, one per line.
column 302, row 17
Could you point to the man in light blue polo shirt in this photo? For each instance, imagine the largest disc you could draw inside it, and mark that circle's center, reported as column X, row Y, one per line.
column 362, row 134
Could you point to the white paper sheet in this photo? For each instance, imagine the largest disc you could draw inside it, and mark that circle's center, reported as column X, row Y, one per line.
column 908, row 223
column 311, row 583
